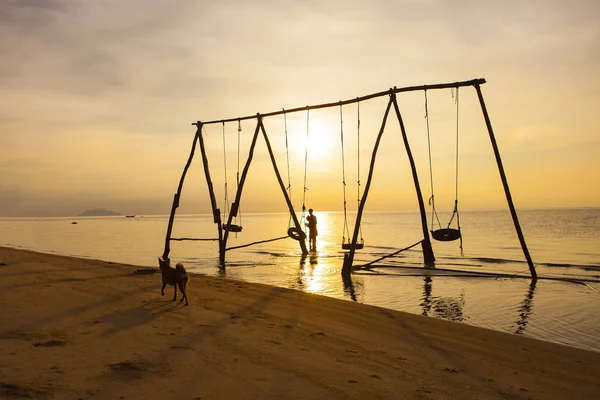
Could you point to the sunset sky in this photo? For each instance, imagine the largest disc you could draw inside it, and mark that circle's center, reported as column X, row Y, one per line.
column 97, row 100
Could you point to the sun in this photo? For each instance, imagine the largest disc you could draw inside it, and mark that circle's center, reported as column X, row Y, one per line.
column 320, row 143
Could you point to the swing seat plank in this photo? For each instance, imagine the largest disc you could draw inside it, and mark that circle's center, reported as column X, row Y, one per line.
column 446, row 234
column 232, row 227
column 348, row 246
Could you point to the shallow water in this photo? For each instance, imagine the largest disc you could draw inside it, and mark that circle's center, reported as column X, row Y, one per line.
column 562, row 243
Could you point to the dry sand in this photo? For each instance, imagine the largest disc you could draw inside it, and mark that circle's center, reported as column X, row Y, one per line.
column 74, row 328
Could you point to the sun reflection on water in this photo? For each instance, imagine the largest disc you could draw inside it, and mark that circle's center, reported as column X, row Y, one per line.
column 555, row 311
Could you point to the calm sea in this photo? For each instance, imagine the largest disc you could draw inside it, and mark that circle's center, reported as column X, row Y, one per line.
column 563, row 243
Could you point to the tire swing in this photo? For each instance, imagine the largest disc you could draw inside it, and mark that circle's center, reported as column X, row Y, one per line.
column 347, row 245
column 232, row 227
column 446, row 234
column 296, row 234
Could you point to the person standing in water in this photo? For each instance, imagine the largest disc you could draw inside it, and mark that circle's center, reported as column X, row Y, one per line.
column 311, row 222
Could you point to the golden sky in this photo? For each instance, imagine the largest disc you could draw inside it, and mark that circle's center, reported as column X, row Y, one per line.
column 97, row 98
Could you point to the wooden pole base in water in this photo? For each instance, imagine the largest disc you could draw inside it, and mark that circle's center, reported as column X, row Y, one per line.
column 349, row 257
column 211, row 192
column 428, row 256
column 511, row 206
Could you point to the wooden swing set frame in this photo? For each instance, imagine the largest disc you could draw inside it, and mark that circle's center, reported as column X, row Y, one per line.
column 428, row 255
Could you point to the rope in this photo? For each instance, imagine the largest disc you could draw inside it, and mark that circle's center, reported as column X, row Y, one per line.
column 434, row 215
column 462, row 253
column 345, row 230
column 305, row 166
column 358, row 164
column 195, row 239
column 456, row 196
column 365, row 266
column 226, row 208
column 253, row 243
column 238, row 153
column 456, row 179
column 287, row 155
column 238, row 171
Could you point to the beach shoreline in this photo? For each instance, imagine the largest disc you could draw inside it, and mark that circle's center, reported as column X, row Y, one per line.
column 83, row 328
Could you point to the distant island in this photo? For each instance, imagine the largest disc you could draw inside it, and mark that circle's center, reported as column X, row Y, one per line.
column 98, row 212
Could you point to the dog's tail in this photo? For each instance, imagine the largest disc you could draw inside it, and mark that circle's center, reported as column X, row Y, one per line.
column 182, row 273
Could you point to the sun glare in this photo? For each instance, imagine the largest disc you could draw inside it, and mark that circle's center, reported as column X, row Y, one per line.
column 320, row 142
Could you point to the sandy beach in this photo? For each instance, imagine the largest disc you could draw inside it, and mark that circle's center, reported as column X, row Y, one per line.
column 86, row 329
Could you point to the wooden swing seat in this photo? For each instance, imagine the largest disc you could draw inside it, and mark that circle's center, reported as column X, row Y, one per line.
column 232, row 228
column 446, row 234
column 348, row 246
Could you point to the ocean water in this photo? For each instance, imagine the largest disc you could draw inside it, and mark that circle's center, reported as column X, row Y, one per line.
column 563, row 306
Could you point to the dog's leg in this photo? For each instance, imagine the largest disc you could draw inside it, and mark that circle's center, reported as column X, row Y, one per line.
column 183, row 291
column 162, row 290
column 174, row 292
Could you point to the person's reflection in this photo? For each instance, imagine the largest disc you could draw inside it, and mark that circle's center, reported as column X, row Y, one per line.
column 297, row 282
column 313, row 259
column 426, row 304
column 526, row 309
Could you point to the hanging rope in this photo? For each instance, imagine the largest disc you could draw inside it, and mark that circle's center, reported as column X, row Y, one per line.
column 444, row 234
column 345, row 229
column 287, row 155
column 358, row 165
column 434, row 215
column 455, row 212
column 226, row 208
column 305, row 167
column 238, row 170
column 456, row 160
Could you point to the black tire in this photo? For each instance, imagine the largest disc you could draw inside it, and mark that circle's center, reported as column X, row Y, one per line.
column 296, row 234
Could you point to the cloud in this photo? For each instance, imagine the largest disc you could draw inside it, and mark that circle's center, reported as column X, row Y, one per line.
column 10, row 199
column 97, row 97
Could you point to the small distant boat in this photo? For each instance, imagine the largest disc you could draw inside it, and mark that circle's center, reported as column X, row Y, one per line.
column 130, row 216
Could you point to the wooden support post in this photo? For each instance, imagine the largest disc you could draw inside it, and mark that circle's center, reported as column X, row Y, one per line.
column 177, row 196
column 428, row 256
column 211, row 191
column 349, row 257
column 282, row 186
column 511, row 206
column 238, row 194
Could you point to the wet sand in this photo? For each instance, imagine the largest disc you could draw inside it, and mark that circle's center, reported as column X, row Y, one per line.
column 76, row 328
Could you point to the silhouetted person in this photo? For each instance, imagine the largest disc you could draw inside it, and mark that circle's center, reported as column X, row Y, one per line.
column 311, row 222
